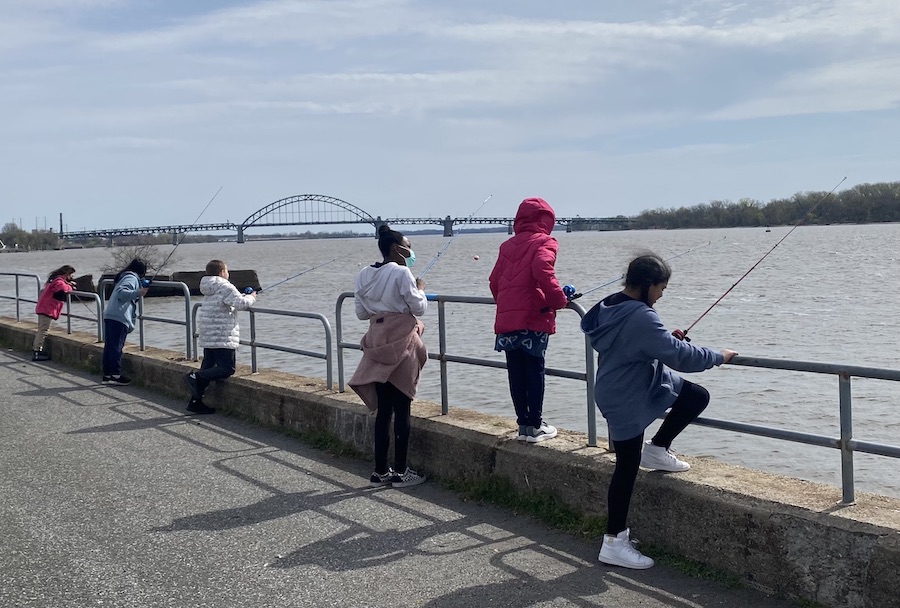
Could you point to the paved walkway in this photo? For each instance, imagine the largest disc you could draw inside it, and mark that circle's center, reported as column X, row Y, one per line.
column 109, row 496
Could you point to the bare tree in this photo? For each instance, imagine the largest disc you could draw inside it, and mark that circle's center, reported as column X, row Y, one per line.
column 151, row 254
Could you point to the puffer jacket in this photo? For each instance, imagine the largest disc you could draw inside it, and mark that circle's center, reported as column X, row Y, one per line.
column 47, row 303
column 523, row 281
column 217, row 323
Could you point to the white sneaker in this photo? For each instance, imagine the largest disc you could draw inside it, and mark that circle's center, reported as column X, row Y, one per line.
column 541, row 433
column 661, row 459
column 619, row 551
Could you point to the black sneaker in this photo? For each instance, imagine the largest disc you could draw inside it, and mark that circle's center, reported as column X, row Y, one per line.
column 120, row 379
column 191, row 380
column 40, row 356
column 106, row 379
column 198, row 407
column 385, row 479
column 406, row 478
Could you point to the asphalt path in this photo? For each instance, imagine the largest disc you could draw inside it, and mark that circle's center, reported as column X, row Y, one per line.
column 110, row 496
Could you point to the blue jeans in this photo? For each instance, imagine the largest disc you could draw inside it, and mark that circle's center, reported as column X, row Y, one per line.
column 218, row 364
column 113, row 344
column 526, row 386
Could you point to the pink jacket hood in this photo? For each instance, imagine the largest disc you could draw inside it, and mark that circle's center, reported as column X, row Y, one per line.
column 534, row 215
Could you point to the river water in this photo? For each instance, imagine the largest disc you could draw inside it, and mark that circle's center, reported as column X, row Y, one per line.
column 826, row 294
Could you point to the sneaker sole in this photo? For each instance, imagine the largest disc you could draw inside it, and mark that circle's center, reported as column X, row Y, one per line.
column 408, row 484
column 540, row 438
column 664, row 469
column 611, row 562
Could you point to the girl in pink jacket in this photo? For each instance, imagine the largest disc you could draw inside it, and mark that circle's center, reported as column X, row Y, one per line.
column 524, row 286
column 49, row 306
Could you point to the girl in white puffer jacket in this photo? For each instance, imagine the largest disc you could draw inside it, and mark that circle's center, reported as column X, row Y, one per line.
column 218, row 332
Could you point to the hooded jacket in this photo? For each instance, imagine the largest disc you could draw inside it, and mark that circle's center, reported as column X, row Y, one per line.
column 523, row 281
column 217, row 324
column 48, row 304
column 635, row 384
column 121, row 306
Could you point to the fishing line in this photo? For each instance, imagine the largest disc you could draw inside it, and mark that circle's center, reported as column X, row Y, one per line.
column 811, row 209
column 249, row 290
column 621, row 277
column 440, row 252
column 179, row 242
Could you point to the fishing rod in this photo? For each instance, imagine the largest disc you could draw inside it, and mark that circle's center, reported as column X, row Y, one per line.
column 249, row 290
column 811, row 209
column 575, row 296
column 437, row 256
column 145, row 282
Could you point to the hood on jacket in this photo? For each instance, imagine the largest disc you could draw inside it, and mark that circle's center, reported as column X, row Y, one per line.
column 603, row 323
column 211, row 284
column 534, row 215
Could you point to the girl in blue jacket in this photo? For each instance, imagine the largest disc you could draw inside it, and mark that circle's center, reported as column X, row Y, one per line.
column 119, row 318
column 636, row 384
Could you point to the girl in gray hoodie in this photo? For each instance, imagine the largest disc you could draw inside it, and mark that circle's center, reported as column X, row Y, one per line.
column 636, row 384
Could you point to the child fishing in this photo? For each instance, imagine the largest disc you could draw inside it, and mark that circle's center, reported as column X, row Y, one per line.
column 49, row 306
column 119, row 318
column 218, row 331
column 524, row 286
column 635, row 385
column 390, row 298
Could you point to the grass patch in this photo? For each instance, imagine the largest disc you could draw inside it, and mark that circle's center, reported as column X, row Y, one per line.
column 542, row 506
column 690, row 567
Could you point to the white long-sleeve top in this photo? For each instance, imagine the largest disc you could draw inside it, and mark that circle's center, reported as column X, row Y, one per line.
column 217, row 323
column 388, row 288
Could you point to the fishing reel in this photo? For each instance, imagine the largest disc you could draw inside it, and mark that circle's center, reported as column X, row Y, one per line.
column 145, row 283
column 249, row 290
column 679, row 334
column 570, row 292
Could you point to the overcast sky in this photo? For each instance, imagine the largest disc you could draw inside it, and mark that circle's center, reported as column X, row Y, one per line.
column 134, row 112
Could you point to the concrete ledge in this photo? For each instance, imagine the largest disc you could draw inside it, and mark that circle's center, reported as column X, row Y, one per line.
column 782, row 535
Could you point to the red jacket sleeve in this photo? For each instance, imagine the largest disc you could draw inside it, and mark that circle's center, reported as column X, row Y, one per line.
column 543, row 271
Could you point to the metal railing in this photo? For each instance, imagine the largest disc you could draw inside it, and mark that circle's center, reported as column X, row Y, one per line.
column 254, row 344
column 586, row 375
column 845, row 442
column 18, row 297
column 70, row 315
column 141, row 317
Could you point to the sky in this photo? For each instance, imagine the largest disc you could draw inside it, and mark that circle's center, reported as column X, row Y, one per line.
column 123, row 113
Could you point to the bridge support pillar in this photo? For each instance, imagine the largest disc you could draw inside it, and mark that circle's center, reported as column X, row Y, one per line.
column 174, row 238
column 509, row 228
column 448, row 226
column 568, row 226
column 240, row 235
column 378, row 224
column 109, row 241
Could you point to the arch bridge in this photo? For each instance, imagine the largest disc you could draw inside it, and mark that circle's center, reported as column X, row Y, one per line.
column 322, row 210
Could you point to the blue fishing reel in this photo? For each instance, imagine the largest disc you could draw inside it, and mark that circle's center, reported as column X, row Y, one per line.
column 248, row 290
column 145, row 283
column 570, row 292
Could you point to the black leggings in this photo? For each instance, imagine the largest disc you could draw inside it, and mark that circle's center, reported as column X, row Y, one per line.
column 391, row 402
column 690, row 403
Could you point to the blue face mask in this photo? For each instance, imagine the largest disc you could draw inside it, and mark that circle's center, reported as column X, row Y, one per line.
column 411, row 259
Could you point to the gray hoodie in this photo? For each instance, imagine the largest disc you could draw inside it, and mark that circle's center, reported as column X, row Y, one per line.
column 635, row 384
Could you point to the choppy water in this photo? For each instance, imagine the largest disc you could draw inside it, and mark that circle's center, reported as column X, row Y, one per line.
column 827, row 293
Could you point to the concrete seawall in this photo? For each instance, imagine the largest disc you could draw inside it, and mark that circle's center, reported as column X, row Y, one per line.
column 778, row 534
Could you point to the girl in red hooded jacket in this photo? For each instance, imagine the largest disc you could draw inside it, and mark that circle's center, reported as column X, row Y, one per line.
column 49, row 306
column 528, row 295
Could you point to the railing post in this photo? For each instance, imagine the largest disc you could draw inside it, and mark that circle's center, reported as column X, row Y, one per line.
column 848, row 493
column 140, row 305
column 253, row 342
column 442, row 348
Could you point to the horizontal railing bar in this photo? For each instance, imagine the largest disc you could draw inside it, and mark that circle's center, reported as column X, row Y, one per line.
column 875, row 448
column 285, row 349
column 839, row 369
column 771, row 432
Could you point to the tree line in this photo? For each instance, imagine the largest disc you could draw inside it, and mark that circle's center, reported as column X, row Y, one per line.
column 861, row 204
